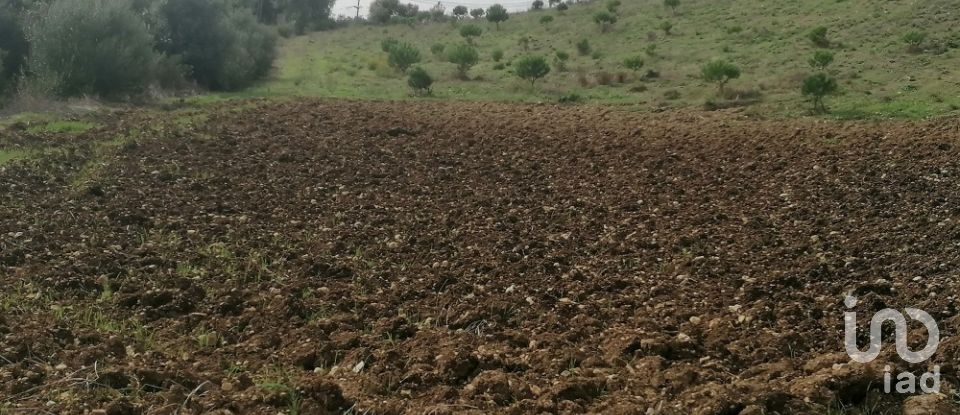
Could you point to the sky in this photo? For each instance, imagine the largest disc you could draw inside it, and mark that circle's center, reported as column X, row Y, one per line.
column 347, row 7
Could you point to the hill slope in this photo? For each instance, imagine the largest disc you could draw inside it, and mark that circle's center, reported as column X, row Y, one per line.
column 878, row 76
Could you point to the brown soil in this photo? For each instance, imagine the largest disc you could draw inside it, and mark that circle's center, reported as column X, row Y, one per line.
column 359, row 257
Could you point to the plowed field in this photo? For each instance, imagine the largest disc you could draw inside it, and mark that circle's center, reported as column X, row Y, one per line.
column 358, row 257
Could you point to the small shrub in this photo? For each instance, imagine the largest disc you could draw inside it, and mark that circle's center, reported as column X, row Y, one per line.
column 666, row 26
column 499, row 67
column 671, row 95
column 402, row 56
column 613, row 5
column 604, row 78
column 386, row 45
column 651, row 74
column 633, row 63
column 420, row 81
column 819, row 86
column 497, row 55
column 469, row 32
column 583, row 79
column 914, row 40
column 672, row 4
column 531, row 68
column 571, row 98
column 583, row 47
column 818, row 36
column 547, row 19
column 437, row 49
column 596, row 55
column 821, row 59
column 720, row 72
column 524, row 42
column 732, row 30
column 465, row 57
column 605, row 20
column 560, row 60
column 651, row 50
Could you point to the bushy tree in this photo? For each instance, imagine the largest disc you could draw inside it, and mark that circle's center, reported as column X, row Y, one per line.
column 562, row 7
column 546, row 19
column 914, row 40
column 477, row 13
column 818, row 36
column 464, row 56
column 537, row 5
column 672, row 4
column 419, row 80
column 469, row 32
column 402, row 56
column 13, row 47
column 438, row 12
column 821, row 59
column 92, row 47
column 605, row 20
column 560, row 60
column 633, row 63
column 307, row 14
column 225, row 49
column 460, row 12
column 720, row 72
column 496, row 14
column 531, row 68
column 819, row 86
column 384, row 11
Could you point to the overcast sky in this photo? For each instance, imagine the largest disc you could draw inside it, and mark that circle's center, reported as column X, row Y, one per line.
column 347, row 7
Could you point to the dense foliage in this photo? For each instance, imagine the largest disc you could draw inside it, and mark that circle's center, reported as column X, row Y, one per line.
column 113, row 56
column 121, row 48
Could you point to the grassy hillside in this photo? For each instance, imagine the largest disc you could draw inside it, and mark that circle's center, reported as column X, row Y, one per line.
column 877, row 74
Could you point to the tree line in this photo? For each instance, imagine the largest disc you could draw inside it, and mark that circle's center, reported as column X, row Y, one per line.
column 123, row 48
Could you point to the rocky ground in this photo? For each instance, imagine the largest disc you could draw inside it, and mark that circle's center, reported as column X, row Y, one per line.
column 355, row 257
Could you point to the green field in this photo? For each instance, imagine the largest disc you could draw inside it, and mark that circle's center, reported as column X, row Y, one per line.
column 877, row 74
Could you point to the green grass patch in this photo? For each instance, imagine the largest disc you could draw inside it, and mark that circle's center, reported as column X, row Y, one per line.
column 64, row 127
column 7, row 156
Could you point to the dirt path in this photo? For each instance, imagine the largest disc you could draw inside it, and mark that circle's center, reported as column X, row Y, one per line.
column 331, row 256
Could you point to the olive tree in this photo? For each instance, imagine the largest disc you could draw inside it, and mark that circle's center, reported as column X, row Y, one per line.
column 817, row 87
column 605, row 20
column 402, row 56
column 92, row 47
column 496, row 14
column 531, row 68
column 469, row 32
column 464, row 56
column 720, row 72
column 420, row 81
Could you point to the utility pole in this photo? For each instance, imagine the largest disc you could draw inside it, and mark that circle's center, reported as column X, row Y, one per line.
column 358, row 10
